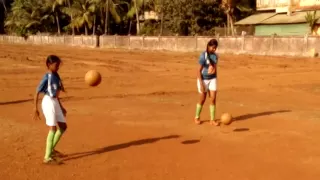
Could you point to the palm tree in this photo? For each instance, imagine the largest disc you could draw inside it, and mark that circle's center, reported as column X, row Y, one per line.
column 134, row 8
column 83, row 12
column 26, row 16
column 246, row 7
column 55, row 6
column 311, row 19
column 71, row 17
column 110, row 7
column 121, row 9
column 68, row 4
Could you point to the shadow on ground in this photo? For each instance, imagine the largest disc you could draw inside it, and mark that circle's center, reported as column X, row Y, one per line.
column 253, row 115
column 82, row 98
column 193, row 141
column 117, row 147
column 16, row 102
column 241, row 130
column 28, row 100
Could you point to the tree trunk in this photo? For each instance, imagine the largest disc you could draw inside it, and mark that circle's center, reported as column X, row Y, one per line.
column 58, row 23
column 231, row 24
column 130, row 25
column 229, row 10
column 137, row 16
column 69, row 5
column 162, row 13
column 86, row 29
column 94, row 25
column 228, row 24
column 106, row 23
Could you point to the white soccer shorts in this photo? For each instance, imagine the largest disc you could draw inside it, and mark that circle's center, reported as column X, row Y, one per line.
column 210, row 85
column 52, row 111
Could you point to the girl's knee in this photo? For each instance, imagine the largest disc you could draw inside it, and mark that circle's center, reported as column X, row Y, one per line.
column 213, row 100
column 53, row 128
column 201, row 102
column 202, row 98
column 63, row 126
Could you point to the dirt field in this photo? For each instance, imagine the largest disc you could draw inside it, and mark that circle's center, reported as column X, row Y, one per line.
column 138, row 124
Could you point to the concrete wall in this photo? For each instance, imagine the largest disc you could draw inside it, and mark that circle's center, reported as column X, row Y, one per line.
column 84, row 41
column 257, row 45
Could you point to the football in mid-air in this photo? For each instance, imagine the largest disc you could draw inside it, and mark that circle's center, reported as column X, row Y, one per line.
column 92, row 78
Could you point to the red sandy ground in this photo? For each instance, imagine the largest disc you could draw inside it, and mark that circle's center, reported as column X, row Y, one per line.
column 138, row 124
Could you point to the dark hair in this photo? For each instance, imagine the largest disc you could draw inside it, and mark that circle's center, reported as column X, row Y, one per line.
column 55, row 59
column 52, row 59
column 212, row 42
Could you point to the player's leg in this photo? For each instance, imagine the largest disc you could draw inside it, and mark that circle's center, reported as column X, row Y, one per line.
column 60, row 131
column 213, row 121
column 49, row 114
column 213, row 95
column 62, row 127
column 202, row 99
column 49, row 144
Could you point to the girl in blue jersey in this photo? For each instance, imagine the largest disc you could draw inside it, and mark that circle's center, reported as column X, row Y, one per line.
column 207, row 80
column 53, row 111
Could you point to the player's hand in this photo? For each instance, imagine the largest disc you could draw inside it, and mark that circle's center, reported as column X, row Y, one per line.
column 64, row 111
column 36, row 115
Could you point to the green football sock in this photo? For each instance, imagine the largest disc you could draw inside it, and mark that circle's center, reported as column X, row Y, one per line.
column 57, row 137
column 198, row 110
column 212, row 112
column 49, row 144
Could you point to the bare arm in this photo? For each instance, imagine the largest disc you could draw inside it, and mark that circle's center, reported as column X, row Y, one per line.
column 60, row 103
column 40, row 89
column 199, row 76
column 217, row 68
column 35, row 101
column 36, row 110
column 62, row 108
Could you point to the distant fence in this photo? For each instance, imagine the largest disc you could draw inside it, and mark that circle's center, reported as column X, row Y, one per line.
column 269, row 45
column 84, row 41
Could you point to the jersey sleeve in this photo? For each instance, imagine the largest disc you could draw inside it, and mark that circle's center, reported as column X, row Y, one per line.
column 202, row 59
column 43, row 84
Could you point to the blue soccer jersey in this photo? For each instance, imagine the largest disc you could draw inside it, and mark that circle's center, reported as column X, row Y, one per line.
column 208, row 71
column 50, row 84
